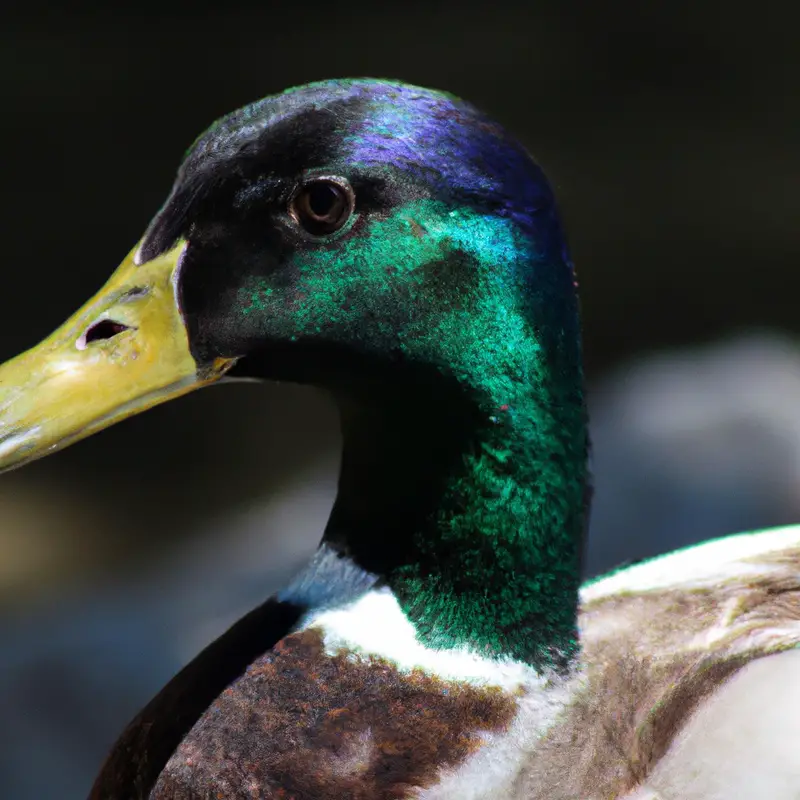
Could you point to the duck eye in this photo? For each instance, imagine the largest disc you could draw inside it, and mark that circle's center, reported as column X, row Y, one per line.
column 322, row 206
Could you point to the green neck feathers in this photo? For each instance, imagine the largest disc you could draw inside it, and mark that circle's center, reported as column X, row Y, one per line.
column 463, row 474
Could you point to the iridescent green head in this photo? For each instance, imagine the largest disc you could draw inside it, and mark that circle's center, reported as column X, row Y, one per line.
column 366, row 218
column 396, row 246
column 336, row 221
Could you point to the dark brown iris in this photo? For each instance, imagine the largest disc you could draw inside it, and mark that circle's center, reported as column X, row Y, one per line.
column 323, row 205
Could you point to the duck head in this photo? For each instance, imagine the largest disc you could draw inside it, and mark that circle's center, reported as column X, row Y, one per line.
column 392, row 245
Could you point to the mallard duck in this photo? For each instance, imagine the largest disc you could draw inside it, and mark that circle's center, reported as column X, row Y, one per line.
column 396, row 247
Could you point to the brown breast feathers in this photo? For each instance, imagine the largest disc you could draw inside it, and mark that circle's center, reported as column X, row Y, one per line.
column 301, row 724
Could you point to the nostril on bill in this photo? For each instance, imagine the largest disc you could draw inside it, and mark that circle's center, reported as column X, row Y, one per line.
column 100, row 330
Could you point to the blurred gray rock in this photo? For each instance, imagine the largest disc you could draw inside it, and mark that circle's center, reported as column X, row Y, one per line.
column 694, row 445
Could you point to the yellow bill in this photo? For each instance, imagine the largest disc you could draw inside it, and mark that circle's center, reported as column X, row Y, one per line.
column 125, row 351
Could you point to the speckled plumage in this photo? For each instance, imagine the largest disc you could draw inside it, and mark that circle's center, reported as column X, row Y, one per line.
column 661, row 640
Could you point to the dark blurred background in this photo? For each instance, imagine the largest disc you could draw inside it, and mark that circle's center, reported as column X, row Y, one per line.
column 670, row 132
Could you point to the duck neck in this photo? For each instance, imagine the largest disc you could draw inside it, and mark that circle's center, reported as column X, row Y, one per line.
column 470, row 505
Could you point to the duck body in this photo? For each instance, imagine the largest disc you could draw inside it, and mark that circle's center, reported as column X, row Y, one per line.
column 352, row 705
column 400, row 250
